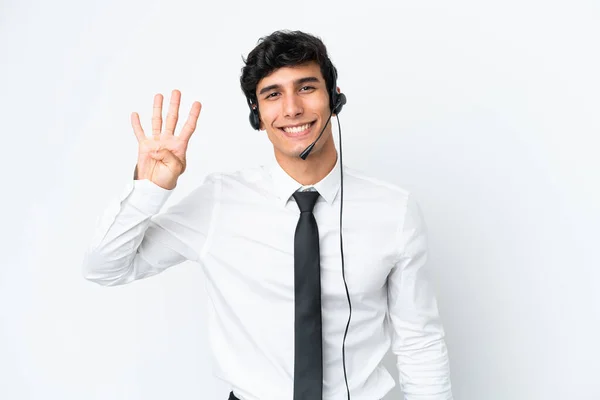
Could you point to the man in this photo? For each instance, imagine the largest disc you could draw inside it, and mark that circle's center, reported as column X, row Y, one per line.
column 292, row 316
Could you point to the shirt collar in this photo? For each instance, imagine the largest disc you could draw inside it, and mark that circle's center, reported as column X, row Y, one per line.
column 284, row 185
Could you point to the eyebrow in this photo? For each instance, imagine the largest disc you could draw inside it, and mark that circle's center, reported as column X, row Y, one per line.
column 297, row 82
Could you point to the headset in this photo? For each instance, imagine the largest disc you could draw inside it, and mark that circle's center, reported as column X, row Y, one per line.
column 336, row 102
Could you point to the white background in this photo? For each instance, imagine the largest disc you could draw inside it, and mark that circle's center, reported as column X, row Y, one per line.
column 488, row 111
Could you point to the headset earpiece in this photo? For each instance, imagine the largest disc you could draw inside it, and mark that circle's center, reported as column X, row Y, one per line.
column 254, row 118
column 340, row 100
column 337, row 99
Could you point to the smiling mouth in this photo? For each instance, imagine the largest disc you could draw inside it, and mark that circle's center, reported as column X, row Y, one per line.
column 297, row 130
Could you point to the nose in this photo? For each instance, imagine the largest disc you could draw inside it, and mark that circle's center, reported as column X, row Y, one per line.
column 292, row 106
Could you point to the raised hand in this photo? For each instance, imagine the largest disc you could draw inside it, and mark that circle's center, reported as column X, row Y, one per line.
column 161, row 157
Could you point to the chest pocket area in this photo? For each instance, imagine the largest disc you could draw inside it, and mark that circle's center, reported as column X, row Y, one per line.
column 368, row 259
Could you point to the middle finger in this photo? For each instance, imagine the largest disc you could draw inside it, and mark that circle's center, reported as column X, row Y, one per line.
column 157, row 115
column 173, row 113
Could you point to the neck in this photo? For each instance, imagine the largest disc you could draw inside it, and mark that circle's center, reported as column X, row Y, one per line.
column 317, row 165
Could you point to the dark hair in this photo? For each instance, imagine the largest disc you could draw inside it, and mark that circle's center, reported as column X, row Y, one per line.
column 284, row 49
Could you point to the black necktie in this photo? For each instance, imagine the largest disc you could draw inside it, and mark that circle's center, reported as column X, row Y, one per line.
column 308, row 362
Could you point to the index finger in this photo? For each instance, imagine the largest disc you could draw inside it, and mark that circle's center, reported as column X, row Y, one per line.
column 190, row 124
column 137, row 127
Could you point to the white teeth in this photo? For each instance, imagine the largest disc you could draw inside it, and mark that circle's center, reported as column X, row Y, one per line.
column 297, row 129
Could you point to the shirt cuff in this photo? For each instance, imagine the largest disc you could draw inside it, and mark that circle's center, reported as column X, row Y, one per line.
column 146, row 196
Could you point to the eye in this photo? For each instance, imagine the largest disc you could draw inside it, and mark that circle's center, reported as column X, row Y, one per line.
column 271, row 95
column 307, row 88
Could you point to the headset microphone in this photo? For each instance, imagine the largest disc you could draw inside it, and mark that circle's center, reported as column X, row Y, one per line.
column 340, row 101
column 307, row 151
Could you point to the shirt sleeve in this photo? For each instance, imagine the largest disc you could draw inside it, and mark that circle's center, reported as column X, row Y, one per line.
column 134, row 240
column 417, row 331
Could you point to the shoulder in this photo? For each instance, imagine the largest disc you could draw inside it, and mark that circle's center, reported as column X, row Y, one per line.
column 237, row 182
column 251, row 174
column 369, row 186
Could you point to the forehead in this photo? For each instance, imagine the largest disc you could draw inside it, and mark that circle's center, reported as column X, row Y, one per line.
column 288, row 75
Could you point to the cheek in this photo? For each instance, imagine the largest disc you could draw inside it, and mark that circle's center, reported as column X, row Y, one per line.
column 320, row 106
column 267, row 116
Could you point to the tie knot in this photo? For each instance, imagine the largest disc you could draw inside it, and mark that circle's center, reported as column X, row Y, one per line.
column 306, row 200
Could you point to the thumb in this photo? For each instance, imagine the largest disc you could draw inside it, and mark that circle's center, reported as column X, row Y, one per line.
column 167, row 158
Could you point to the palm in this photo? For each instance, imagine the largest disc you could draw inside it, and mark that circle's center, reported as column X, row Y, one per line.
column 165, row 167
column 174, row 144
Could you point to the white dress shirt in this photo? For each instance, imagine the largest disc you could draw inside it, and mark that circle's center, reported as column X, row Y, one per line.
column 239, row 227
